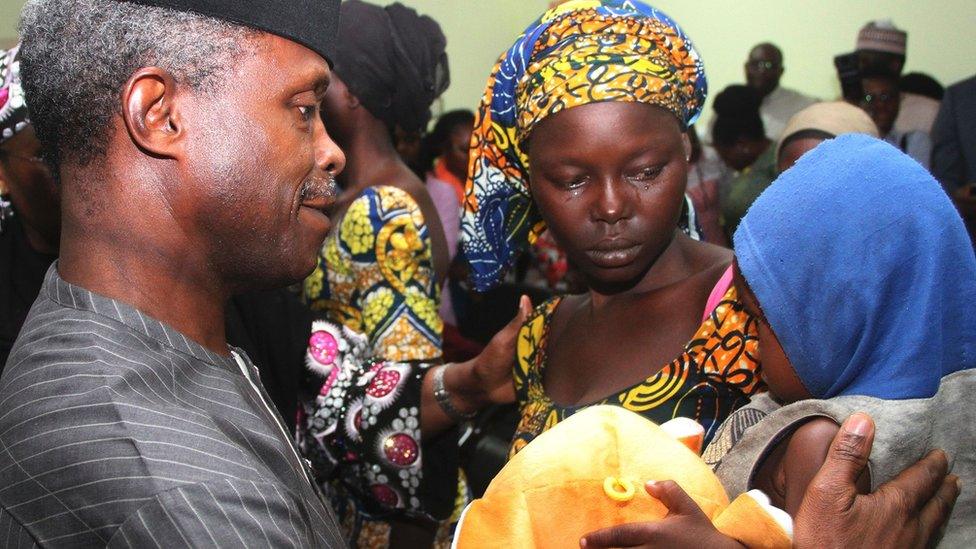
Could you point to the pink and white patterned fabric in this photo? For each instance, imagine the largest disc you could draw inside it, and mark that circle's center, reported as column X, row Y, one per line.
column 13, row 106
column 361, row 430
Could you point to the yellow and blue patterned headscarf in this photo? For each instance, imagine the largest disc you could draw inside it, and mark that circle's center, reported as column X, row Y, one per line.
column 580, row 52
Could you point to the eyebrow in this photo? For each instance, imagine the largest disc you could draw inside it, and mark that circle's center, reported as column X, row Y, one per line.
column 321, row 85
column 314, row 78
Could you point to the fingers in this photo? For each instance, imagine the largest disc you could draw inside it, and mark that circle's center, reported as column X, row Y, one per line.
column 847, row 457
column 507, row 335
column 673, row 497
column 625, row 535
column 935, row 514
column 524, row 310
column 916, row 486
column 525, row 307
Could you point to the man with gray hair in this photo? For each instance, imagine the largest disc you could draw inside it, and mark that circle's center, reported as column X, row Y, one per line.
column 125, row 419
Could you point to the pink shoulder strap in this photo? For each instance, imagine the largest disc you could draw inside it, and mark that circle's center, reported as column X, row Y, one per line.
column 718, row 292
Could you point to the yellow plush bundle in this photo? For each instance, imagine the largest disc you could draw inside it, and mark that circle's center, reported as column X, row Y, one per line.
column 588, row 473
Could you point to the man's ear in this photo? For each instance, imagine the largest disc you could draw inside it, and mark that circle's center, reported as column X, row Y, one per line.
column 151, row 113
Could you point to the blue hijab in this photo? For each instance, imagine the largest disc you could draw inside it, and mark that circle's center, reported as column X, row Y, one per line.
column 864, row 271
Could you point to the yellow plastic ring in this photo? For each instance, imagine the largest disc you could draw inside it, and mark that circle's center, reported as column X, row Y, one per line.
column 618, row 489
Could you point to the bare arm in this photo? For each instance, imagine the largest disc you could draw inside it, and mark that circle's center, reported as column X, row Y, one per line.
column 472, row 385
column 907, row 511
column 785, row 475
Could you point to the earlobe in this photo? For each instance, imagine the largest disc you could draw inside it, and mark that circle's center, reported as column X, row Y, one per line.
column 149, row 108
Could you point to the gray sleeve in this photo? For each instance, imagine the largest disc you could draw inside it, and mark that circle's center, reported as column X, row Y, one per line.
column 12, row 534
column 920, row 148
column 219, row 514
column 947, row 165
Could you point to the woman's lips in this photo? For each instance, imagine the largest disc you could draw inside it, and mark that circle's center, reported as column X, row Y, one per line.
column 611, row 255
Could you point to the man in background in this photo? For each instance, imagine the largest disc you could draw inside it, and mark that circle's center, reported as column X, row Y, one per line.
column 954, row 137
column 764, row 68
column 880, row 99
column 882, row 47
column 954, row 148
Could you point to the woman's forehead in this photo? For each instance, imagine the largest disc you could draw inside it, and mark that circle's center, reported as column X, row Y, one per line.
column 609, row 116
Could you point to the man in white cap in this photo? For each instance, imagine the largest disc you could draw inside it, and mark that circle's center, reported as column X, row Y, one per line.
column 882, row 47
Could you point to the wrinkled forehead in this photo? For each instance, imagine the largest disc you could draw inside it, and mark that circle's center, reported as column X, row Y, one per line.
column 278, row 65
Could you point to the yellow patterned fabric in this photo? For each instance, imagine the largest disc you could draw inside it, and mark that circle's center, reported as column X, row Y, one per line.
column 589, row 54
column 715, row 374
column 375, row 275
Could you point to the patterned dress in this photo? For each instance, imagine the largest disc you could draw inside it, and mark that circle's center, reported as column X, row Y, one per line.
column 361, row 431
column 359, row 422
column 715, row 374
column 375, row 275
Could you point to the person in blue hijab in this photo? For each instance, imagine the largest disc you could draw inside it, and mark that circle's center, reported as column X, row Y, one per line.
column 864, row 271
column 863, row 282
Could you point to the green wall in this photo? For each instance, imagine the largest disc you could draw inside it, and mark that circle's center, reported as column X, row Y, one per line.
column 9, row 15
column 810, row 34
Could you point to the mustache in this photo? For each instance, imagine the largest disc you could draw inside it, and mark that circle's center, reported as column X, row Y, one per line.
column 319, row 186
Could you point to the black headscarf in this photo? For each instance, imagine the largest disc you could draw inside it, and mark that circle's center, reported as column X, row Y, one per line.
column 393, row 60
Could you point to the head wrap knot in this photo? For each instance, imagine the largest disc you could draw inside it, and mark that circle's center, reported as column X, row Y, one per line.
column 580, row 52
column 393, row 60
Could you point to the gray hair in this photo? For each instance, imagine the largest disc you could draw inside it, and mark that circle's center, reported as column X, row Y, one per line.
column 78, row 54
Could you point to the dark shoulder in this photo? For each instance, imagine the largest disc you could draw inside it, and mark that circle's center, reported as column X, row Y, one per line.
column 812, row 440
column 409, row 183
column 962, row 90
column 806, row 451
column 535, row 324
column 559, row 309
column 412, row 185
